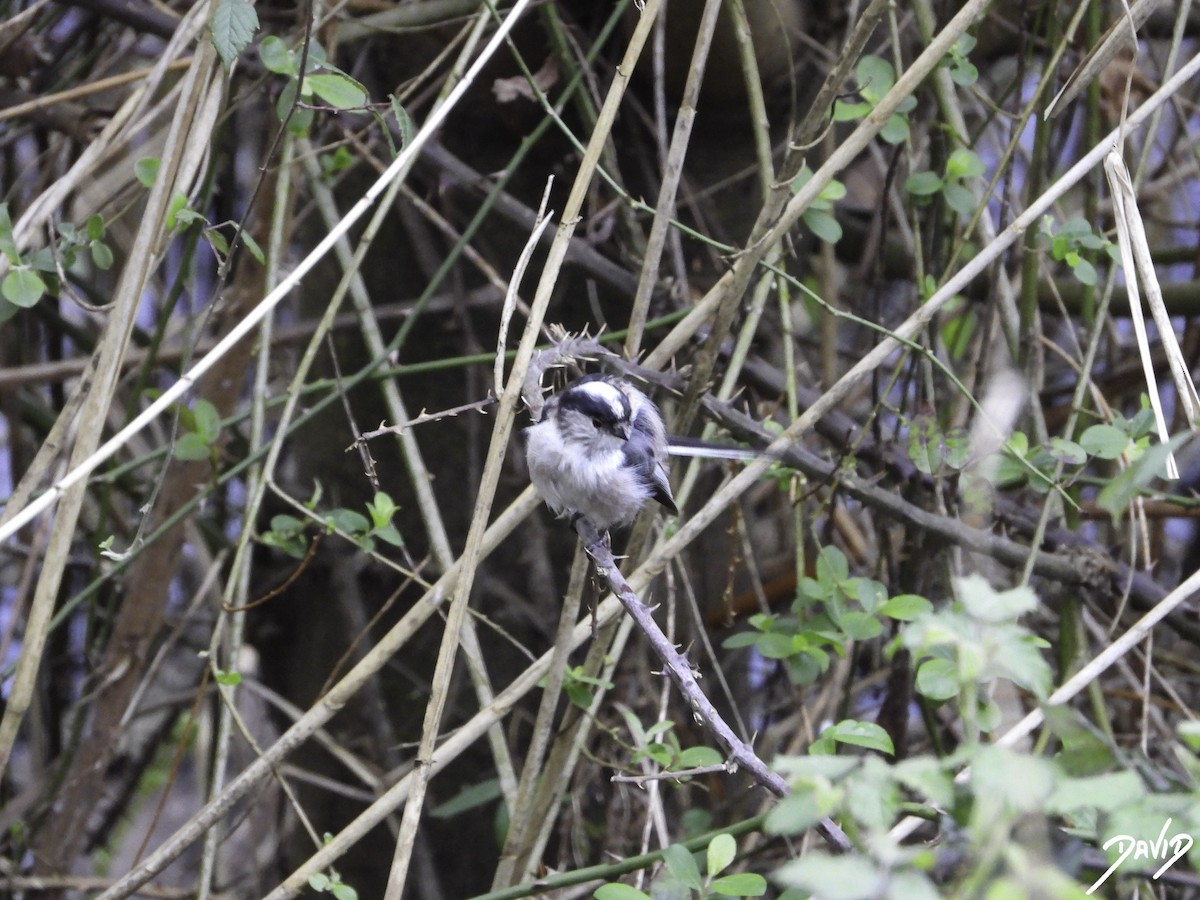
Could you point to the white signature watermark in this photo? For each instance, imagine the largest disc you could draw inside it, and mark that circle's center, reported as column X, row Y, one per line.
column 1165, row 848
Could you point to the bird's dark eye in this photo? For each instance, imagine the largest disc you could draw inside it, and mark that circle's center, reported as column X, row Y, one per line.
column 596, row 421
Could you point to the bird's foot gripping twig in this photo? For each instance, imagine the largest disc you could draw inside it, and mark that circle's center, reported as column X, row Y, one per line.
column 681, row 672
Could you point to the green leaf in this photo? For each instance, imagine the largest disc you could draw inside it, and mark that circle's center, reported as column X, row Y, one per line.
column 832, row 877
column 873, row 796
column 102, row 256
column 983, row 602
column 1018, row 656
column 177, row 211
column 721, row 851
column 338, row 90
column 957, row 439
column 348, row 521
column 8, row 246
column 618, row 891
column 925, row 446
column 191, row 448
column 694, row 757
column 276, row 56
column 217, row 241
column 633, row 723
column 404, row 122
column 233, row 25
column 229, row 679
column 964, row 163
column 860, row 626
column 1067, row 451
column 862, row 734
column 844, row 111
column 683, row 866
column 43, row 260
column 795, row 813
column 1084, row 272
column 208, row 420
column 832, row 565
column 895, row 129
column 300, row 120
column 926, row 776
column 937, row 679
column 959, row 199
column 94, row 227
column 389, row 534
column 382, row 508
column 1188, row 731
column 875, row 77
column 776, row 645
column 468, row 798
column 833, row 191
column 145, row 170
column 870, row 593
column 746, row 884
column 997, row 772
column 1115, row 496
column 344, row 892
column 23, row 287
column 823, row 225
column 906, row 607
column 319, row 881
column 337, row 161
column 923, row 184
column 1107, row 792
column 964, row 73
column 286, row 523
column 741, row 639
column 252, row 247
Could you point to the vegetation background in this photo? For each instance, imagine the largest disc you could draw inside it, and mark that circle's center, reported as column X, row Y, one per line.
column 249, row 652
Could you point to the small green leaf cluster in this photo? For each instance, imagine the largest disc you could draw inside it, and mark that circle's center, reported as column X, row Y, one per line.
column 659, row 744
column 830, row 610
column 321, row 79
column 974, row 642
column 682, row 878
column 180, row 215
column 1083, row 788
column 287, row 532
column 332, row 164
column 201, row 424
column 962, row 70
column 875, row 78
column 580, row 687
column 1035, row 465
column 1066, row 243
column 33, row 275
column 962, row 165
column 331, row 883
column 818, row 217
column 934, row 451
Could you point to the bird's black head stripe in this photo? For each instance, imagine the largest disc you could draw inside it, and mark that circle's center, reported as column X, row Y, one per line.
column 596, row 407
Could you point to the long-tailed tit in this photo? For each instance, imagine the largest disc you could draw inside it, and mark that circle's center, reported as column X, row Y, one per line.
column 600, row 451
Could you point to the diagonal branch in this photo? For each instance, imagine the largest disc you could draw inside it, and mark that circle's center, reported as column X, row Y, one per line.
column 677, row 666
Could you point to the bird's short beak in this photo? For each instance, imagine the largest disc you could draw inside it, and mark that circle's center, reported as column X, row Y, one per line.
column 621, row 430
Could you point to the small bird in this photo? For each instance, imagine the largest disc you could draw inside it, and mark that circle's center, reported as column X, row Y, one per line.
column 600, row 451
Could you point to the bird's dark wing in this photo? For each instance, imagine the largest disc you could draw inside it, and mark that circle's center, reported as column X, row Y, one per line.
column 641, row 457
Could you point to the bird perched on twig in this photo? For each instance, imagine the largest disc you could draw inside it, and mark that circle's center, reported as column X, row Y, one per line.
column 600, row 451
